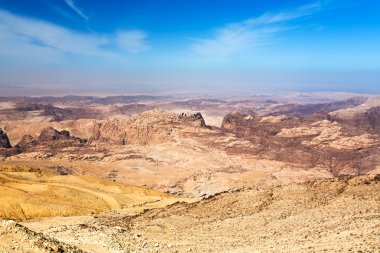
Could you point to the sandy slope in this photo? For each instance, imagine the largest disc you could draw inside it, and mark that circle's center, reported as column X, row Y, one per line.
column 332, row 215
column 28, row 195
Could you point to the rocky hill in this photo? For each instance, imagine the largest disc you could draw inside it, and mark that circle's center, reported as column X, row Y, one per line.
column 346, row 113
column 368, row 120
column 50, row 138
column 182, row 155
column 150, row 127
column 299, row 110
column 309, row 141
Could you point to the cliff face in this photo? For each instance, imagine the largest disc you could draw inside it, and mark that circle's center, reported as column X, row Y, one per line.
column 150, row 127
column 4, row 141
column 368, row 120
column 311, row 141
column 6, row 148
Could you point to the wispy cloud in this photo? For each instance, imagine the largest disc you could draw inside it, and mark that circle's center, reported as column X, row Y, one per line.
column 20, row 35
column 75, row 8
column 45, row 34
column 59, row 10
column 251, row 33
column 133, row 41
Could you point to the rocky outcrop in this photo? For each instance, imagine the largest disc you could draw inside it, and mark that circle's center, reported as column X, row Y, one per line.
column 51, row 138
column 155, row 126
column 351, row 112
column 51, row 134
column 360, row 142
column 310, row 141
column 309, row 109
column 195, row 119
column 273, row 119
column 6, row 148
column 368, row 120
column 4, row 141
column 27, row 142
column 58, row 113
column 257, row 128
column 30, row 241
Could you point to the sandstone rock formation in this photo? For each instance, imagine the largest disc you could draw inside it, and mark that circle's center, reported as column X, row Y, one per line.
column 309, row 141
column 273, row 119
column 367, row 120
column 150, row 127
column 5, row 146
column 27, row 142
column 59, row 114
column 309, row 109
column 327, row 133
column 347, row 113
column 195, row 119
column 51, row 138
column 4, row 141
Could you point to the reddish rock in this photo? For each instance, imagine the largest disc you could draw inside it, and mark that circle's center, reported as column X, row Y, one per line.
column 54, row 138
column 308, row 149
column 27, row 142
column 4, row 141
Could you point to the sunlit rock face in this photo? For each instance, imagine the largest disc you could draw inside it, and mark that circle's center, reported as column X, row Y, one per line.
column 150, row 127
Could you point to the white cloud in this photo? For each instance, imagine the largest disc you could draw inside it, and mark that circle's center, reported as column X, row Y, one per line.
column 78, row 11
column 31, row 37
column 133, row 41
column 250, row 33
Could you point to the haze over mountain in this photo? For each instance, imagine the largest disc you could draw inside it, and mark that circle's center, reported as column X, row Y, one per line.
column 71, row 47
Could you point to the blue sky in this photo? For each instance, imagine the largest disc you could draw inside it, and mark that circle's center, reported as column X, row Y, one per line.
column 163, row 46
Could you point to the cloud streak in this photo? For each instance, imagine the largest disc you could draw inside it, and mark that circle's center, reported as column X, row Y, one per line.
column 251, row 33
column 35, row 38
column 75, row 8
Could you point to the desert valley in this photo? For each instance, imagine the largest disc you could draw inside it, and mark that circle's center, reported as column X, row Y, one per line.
column 263, row 173
column 154, row 126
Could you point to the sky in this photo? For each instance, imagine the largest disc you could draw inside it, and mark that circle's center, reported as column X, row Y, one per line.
column 64, row 47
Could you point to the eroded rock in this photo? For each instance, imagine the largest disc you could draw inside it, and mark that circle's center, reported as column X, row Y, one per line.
column 4, row 140
column 150, row 127
column 310, row 141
